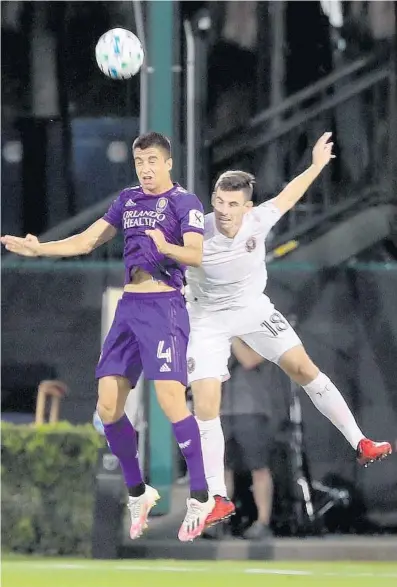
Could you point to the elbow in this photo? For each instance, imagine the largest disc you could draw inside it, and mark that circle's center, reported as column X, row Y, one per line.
column 86, row 242
column 88, row 249
column 90, row 245
column 197, row 260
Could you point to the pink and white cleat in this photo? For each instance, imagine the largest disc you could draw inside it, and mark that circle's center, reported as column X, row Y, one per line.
column 196, row 516
column 140, row 508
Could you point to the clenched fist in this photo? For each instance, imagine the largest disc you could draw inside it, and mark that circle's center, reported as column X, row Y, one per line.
column 322, row 151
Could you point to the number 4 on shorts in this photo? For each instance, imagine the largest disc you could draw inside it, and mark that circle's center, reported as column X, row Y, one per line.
column 161, row 354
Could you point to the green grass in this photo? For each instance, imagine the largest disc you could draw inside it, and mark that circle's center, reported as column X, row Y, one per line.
column 65, row 572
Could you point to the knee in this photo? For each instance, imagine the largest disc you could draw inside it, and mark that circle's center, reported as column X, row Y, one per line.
column 171, row 396
column 108, row 411
column 112, row 395
column 207, row 399
column 304, row 373
column 298, row 366
column 205, row 409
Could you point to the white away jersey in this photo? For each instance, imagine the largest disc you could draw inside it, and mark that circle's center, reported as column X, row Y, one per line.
column 233, row 272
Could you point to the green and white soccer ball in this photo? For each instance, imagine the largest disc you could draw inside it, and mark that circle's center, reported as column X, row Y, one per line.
column 119, row 54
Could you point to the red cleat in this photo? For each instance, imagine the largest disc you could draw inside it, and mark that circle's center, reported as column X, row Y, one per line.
column 369, row 451
column 223, row 510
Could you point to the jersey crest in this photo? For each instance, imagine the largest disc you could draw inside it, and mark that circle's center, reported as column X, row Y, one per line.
column 250, row 245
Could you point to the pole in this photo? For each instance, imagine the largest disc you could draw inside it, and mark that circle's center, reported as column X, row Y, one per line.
column 161, row 42
column 144, row 91
column 190, row 106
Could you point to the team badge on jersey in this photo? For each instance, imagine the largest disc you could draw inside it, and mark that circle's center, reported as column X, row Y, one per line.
column 191, row 365
column 161, row 205
column 250, row 245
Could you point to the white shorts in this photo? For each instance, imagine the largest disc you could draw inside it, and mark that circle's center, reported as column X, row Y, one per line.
column 260, row 326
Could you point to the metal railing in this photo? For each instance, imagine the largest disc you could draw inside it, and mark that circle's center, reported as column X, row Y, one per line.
column 359, row 105
column 238, row 137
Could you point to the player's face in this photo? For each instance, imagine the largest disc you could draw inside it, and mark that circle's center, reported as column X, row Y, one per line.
column 153, row 167
column 229, row 210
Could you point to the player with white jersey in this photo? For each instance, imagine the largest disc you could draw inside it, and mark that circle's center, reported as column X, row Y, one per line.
column 227, row 307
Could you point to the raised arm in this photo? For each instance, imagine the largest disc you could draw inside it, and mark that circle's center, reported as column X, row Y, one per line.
column 80, row 244
column 296, row 189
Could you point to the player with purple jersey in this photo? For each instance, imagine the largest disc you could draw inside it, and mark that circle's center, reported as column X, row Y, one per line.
column 163, row 229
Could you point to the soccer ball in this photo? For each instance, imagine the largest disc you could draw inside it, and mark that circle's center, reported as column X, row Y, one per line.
column 119, row 54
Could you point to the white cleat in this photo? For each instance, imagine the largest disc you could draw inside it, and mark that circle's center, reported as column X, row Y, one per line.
column 196, row 515
column 140, row 508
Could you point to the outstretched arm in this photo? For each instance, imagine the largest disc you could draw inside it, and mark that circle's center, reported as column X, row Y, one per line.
column 296, row 189
column 80, row 244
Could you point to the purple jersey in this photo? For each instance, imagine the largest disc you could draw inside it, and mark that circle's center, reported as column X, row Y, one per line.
column 174, row 213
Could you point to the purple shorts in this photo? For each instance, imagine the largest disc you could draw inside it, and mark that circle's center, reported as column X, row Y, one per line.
column 150, row 333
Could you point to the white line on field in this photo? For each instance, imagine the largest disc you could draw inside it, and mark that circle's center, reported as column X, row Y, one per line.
column 50, row 566
column 161, row 569
column 276, row 572
column 95, row 566
column 317, row 573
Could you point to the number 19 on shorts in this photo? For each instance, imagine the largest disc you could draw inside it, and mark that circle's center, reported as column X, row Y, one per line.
column 275, row 324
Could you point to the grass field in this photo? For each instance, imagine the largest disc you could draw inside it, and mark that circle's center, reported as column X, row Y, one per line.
column 35, row 572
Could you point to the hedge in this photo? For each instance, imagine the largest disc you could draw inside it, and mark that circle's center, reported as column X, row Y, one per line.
column 48, row 475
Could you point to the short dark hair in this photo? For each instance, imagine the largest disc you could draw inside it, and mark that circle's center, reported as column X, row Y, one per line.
column 235, row 181
column 152, row 139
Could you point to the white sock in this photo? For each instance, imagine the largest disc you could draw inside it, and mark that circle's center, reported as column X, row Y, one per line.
column 213, row 448
column 329, row 401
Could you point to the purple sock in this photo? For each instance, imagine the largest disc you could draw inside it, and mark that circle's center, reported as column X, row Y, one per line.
column 121, row 438
column 187, row 436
